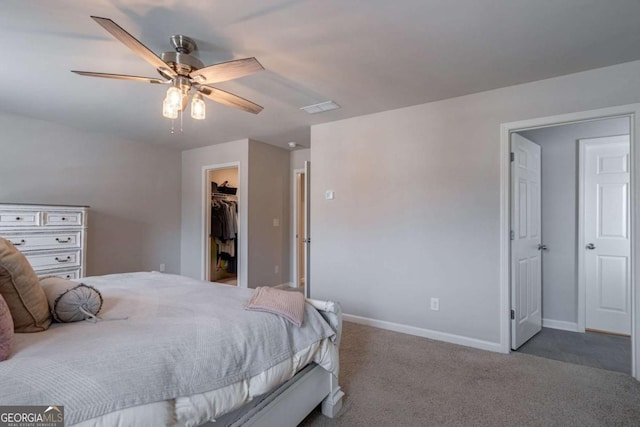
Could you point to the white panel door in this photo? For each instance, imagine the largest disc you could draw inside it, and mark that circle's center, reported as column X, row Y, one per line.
column 606, row 234
column 526, row 244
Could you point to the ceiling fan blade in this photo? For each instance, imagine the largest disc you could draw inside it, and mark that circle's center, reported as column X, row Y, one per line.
column 226, row 71
column 132, row 43
column 229, row 99
column 119, row 76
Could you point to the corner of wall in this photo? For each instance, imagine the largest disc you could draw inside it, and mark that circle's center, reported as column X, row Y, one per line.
column 269, row 201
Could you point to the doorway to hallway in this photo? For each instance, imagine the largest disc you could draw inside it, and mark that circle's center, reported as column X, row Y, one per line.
column 569, row 196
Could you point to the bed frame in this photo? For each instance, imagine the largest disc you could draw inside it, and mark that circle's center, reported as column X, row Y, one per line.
column 290, row 403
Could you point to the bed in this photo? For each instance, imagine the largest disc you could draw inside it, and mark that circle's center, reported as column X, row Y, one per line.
column 174, row 351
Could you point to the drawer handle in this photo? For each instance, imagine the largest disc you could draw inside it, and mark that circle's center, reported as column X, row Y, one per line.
column 63, row 241
column 22, row 242
column 19, row 218
column 63, row 218
column 67, row 259
column 68, row 276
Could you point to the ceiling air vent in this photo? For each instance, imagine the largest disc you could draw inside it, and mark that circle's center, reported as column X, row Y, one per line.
column 321, row 107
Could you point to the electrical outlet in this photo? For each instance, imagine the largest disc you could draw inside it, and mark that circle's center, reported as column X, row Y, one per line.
column 276, row 222
column 162, row 266
column 435, row 304
column 276, row 269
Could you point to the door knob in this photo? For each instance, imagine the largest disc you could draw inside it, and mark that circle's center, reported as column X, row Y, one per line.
column 542, row 247
column 590, row 246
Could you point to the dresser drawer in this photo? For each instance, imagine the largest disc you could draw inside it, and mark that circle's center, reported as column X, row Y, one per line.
column 32, row 242
column 72, row 274
column 62, row 218
column 19, row 219
column 54, row 260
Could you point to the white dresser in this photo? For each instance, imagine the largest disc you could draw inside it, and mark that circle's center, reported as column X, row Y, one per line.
column 53, row 238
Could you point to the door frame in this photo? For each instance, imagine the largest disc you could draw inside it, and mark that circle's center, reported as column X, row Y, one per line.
column 294, row 240
column 632, row 111
column 205, row 193
column 582, row 280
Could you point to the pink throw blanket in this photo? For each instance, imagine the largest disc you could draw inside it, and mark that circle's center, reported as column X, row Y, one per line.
column 289, row 305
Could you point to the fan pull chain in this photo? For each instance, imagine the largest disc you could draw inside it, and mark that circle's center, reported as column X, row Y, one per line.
column 173, row 127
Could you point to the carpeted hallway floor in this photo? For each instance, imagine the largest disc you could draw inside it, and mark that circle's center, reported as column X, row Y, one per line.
column 594, row 349
column 393, row 379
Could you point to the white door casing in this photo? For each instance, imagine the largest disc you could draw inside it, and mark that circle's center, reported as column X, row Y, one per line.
column 205, row 249
column 299, row 237
column 526, row 254
column 307, row 228
column 605, row 243
column 301, row 260
column 632, row 111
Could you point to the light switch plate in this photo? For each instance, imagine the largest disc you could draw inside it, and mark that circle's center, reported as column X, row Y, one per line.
column 329, row 195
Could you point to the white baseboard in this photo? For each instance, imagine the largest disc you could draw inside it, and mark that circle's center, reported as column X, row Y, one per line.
column 425, row 333
column 560, row 324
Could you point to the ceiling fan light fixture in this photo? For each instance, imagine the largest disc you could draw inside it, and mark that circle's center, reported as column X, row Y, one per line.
column 174, row 98
column 168, row 110
column 198, row 107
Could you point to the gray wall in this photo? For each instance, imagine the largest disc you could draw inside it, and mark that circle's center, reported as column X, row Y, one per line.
column 268, row 200
column 559, row 146
column 417, row 201
column 263, row 196
column 298, row 157
column 133, row 190
column 192, row 237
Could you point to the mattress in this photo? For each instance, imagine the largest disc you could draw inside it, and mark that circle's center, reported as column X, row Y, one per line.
column 217, row 406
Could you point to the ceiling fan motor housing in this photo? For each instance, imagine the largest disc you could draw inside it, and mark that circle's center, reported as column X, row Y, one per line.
column 181, row 61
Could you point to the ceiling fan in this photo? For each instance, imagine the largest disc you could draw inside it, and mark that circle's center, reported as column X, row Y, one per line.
column 184, row 73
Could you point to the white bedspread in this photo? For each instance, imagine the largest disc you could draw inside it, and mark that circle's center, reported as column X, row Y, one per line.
column 184, row 339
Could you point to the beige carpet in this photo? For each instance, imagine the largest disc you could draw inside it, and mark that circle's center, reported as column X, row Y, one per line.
column 393, row 379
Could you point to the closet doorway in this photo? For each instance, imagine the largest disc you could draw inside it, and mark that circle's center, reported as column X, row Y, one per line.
column 222, row 230
column 570, row 235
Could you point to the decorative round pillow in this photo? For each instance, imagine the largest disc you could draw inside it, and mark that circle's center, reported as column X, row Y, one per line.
column 70, row 301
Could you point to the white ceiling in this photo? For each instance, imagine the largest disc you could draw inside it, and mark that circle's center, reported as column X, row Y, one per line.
column 367, row 55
